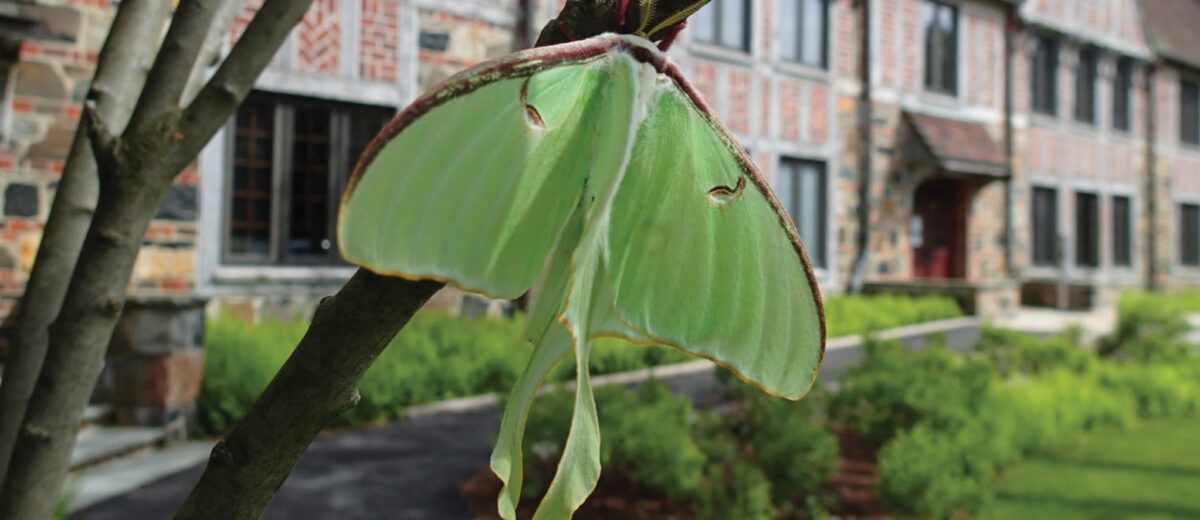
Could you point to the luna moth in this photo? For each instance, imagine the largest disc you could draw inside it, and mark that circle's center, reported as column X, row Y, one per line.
column 593, row 170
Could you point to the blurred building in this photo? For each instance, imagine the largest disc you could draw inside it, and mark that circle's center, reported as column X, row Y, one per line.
column 1007, row 152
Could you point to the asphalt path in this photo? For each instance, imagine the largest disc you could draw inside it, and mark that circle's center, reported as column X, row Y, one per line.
column 415, row 468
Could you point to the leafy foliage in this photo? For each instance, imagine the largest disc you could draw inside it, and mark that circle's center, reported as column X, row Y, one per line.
column 770, row 456
column 1152, row 327
column 846, row 315
column 438, row 356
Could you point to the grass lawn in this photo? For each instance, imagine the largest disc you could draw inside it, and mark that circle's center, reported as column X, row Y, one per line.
column 1149, row 472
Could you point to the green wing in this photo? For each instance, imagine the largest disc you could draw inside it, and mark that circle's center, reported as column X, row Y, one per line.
column 701, row 257
column 477, row 186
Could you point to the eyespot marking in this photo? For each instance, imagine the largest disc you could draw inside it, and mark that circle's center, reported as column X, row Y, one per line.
column 533, row 119
column 722, row 195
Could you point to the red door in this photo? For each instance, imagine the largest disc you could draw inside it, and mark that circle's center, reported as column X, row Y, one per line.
column 940, row 207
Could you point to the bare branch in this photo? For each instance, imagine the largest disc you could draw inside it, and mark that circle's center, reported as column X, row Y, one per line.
column 104, row 144
column 120, row 73
column 236, row 76
column 317, row 383
column 173, row 66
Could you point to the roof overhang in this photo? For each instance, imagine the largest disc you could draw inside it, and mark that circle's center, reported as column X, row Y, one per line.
column 957, row 146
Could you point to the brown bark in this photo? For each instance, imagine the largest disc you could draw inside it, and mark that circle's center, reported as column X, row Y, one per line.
column 120, row 73
column 135, row 170
column 316, row 384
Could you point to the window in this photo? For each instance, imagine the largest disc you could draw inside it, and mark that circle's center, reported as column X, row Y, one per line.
column 1045, row 226
column 1044, row 75
column 1189, row 112
column 940, row 22
column 290, row 159
column 1122, row 231
column 803, row 31
column 800, row 186
column 725, row 23
column 1122, row 90
column 1189, row 234
column 1087, row 229
column 1085, row 86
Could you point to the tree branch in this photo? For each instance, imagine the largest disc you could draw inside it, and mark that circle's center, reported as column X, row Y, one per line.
column 317, row 383
column 173, row 66
column 100, row 136
column 120, row 73
column 236, row 76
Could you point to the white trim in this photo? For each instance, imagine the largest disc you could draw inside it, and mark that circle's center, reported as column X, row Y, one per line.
column 335, row 88
column 350, row 36
column 502, row 14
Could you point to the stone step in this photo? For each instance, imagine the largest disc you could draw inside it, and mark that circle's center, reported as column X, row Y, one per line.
column 99, row 443
column 120, row 476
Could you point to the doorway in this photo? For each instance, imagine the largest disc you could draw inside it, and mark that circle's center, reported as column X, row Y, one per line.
column 938, row 230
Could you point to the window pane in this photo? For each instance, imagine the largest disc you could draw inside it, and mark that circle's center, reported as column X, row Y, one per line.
column 704, row 23
column 733, row 23
column 250, row 194
column 1189, row 234
column 1045, row 75
column 940, row 23
column 813, row 33
column 812, row 211
column 1122, row 85
column 789, row 30
column 1085, row 86
column 309, row 230
column 800, row 187
column 1045, row 226
column 1189, row 113
column 1087, row 216
column 1121, row 231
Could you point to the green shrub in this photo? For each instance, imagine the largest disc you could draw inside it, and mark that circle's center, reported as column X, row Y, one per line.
column 796, row 451
column 1015, row 353
column 1151, row 327
column 929, row 473
column 733, row 487
column 894, row 389
column 847, row 315
column 649, row 437
column 239, row 360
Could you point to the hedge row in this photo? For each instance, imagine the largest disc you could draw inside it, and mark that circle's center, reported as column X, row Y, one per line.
column 438, row 356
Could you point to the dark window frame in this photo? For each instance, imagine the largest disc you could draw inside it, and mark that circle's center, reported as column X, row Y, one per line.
column 1189, row 234
column 1087, row 72
column 1122, row 115
column 718, row 26
column 942, row 78
column 1043, row 75
column 1189, row 111
column 818, row 250
column 1044, row 242
column 346, row 142
column 798, row 56
column 1122, row 230
column 1087, row 229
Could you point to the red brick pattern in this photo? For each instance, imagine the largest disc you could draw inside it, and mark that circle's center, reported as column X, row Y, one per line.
column 846, row 38
column 738, row 114
column 380, row 40
column 704, row 78
column 818, row 113
column 788, row 107
column 243, row 17
column 911, row 43
column 320, row 37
